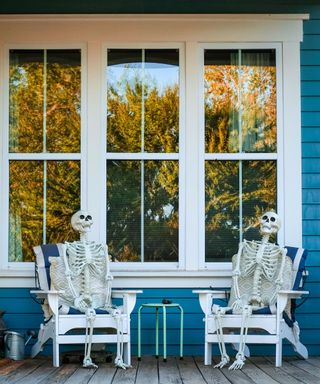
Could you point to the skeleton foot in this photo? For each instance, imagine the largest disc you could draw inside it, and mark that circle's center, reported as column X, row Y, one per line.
column 238, row 363
column 224, row 361
column 118, row 362
column 87, row 363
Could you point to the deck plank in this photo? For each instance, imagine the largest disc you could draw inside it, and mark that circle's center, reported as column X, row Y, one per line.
column 169, row 372
column 61, row 375
column 275, row 373
column 299, row 374
column 307, row 366
column 104, row 374
column 18, row 371
column 147, row 372
column 189, row 371
column 210, row 374
column 234, row 376
column 126, row 376
column 37, row 375
column 81, row 376
column 256, row 374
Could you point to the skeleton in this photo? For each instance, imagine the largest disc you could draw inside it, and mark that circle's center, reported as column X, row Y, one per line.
column 84, row 276
column 260, row 270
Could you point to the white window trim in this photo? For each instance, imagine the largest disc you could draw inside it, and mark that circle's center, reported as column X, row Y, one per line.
column 92, row 31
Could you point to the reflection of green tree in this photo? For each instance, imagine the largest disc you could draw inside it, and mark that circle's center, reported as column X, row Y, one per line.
column 160, row 210
column 259, row 193
column 140, row 112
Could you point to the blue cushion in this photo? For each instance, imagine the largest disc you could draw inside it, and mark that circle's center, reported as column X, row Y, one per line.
column 298, row 257
column 43, row 252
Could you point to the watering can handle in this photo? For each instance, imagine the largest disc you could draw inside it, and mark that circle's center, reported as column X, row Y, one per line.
column 5, row 341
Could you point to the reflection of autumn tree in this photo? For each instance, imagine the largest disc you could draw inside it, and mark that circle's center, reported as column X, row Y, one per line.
column 160, row 182
column 44, row 116
column 240, row 116
column 234, row 97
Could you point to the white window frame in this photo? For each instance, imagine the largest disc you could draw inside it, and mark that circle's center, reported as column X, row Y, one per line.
column 177, row 156
column 5, row 264
column 91, row 33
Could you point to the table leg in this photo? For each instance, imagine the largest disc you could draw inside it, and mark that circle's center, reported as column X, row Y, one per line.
column 139, row 333
column 164, row 333
column 157, row 332
column 181, row 333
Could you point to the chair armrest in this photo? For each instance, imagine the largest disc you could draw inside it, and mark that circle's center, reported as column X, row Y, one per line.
column 285, row 295
column 129, row 298
column 52, row 297
column 206, row 296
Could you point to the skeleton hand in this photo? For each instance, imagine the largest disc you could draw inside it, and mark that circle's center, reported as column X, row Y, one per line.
column 236, row 272
column 82, row 302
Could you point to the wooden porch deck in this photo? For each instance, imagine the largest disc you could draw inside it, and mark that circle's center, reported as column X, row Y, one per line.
column 190, row 370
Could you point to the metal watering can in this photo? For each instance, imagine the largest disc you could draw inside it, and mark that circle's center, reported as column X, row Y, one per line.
column 14, row 344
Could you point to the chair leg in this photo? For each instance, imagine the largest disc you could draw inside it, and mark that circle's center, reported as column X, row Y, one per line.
column 207, row 353
column 56, row 358
column 127, row 353
column 279, row 353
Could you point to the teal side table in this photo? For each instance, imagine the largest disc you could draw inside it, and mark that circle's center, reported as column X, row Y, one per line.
column 164, row 315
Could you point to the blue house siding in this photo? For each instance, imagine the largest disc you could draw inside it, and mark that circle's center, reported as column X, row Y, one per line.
column 310, row 105
column 22, row 313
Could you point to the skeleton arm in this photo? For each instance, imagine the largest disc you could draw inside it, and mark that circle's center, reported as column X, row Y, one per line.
column 236, row 272
column 68, row 271
column 279, row 280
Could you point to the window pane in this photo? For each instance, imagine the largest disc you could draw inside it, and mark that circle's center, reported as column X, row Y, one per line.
column 259, row 191
column 221, row 210
column 240, row 101
column 142, row 210
column 63, row 101
column 26, row 101
column 143, row 100
column 43, row 196
column 161, row 100
column 124, row 210
column 45, row 93
column 161, row 220
column 234, row 203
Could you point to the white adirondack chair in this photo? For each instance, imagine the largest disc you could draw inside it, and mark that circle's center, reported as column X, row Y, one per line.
column 56, row 325
column 274, row 321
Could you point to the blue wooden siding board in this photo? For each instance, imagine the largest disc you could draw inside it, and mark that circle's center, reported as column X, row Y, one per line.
column 311, row 104
column 310, row 57
column 311, row 27
column 310, row 135
column 311, row 196
column 310, row 72
column 310, row 150
column 310, row 88
column 311, row 119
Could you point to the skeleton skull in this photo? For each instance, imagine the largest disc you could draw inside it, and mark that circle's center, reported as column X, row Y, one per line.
column 269, row 223
column 81, row 222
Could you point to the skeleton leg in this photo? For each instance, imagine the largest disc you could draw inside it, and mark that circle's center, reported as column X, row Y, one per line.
column 119, row 358
column 240, row 357
column 222, row 347
column 87, row 361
